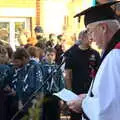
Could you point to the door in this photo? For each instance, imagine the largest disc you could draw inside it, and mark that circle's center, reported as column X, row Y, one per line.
column 10, row 29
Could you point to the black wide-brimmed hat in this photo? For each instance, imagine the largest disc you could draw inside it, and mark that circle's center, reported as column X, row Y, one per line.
column 98, row 13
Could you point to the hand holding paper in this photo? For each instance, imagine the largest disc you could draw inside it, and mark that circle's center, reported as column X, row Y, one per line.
column 74, row 101
column 66, row 95
column 75, row 105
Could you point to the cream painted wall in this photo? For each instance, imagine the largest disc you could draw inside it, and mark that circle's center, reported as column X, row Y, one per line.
column 77, row 6
column 17, row 12
column 18, row 3
column 18, row 9
column 52, row 15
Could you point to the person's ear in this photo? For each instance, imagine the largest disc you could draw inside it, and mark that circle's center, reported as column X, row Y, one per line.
column 103, row 27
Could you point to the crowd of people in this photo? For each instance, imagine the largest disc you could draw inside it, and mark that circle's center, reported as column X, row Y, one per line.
column 33, row 66
column 33, row 70
column 24, row 71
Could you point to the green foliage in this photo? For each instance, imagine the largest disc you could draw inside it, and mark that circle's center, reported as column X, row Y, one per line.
column 34, row 112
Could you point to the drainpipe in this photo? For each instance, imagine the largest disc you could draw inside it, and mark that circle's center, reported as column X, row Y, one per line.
column 37, row 12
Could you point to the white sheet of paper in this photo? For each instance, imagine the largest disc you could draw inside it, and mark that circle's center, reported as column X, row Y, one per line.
column 66, row 95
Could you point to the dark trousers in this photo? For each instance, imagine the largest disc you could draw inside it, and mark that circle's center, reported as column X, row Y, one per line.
column 12, row 106
column 3, row 105
column 51, row 108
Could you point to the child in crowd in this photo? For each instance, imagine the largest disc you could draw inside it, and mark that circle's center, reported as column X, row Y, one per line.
column 51, row 108
column 26, row 79
column 34, row 53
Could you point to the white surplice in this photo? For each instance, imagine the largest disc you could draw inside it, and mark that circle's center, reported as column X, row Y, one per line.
column 105, row 104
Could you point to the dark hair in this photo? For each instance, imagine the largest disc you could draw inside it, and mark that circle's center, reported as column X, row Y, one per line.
column 50, row 50
column 3, row 50
column 38, row 29
column 33, row 51
column 49, row 44
column 10, row 51
column 40, row 45
column 51, row 35
column 20, row 53
column 59, row 37
column 3, row 55
column 27, row 46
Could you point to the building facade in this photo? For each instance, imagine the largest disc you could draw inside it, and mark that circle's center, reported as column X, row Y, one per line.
column 54, row 16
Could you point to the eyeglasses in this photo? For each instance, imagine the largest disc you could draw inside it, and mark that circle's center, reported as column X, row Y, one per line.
column 92, row 28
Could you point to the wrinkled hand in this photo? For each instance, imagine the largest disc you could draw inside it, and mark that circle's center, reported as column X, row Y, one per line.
column 75, row 105
column 62, row 104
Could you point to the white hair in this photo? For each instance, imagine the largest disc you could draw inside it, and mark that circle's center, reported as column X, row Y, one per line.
column 114, row 25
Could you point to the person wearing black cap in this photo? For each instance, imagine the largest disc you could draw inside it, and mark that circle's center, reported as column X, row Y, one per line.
column 103, row 100
column 38, row 32
column 39, row 35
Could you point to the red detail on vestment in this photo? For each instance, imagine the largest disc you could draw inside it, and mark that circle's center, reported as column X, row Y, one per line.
column 117, row 46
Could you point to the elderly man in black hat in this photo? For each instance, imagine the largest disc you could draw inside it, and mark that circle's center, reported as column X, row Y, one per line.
column 103, row 99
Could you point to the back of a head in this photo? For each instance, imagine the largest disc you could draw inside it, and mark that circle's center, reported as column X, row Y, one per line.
column 33, row 51
column 50, row 50
column 10, row 51
column 59, row 37
column 41, row 45
column 21, row 53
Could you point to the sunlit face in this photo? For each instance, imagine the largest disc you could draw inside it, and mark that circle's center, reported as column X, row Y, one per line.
column 50, row 56
column 96, row 34
column 84, row 40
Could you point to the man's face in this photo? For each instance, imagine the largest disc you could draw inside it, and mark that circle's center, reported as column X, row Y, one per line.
column 84, row 39
column 96, row 34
